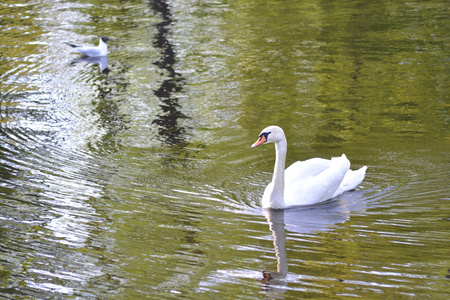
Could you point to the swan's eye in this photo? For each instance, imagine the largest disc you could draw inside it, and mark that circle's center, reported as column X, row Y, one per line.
column 262, row 139
column 264, row 136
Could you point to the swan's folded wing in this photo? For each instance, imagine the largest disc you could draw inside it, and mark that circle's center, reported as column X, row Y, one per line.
column 314, row 181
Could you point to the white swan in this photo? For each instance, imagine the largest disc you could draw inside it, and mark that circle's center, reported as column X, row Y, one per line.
column 100, row 50
column 305, row 182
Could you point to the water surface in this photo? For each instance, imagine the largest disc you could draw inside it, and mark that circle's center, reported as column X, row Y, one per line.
column 135, row 179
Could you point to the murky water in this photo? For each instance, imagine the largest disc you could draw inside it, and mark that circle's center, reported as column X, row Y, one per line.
column 132, row 177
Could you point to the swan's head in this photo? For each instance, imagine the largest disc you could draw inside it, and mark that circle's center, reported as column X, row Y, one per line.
column 271, row 134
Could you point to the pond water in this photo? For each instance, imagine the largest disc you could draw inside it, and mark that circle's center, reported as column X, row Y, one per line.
column 132, row 176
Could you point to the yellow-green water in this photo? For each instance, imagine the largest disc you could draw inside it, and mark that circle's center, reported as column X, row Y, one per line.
column 138, row 181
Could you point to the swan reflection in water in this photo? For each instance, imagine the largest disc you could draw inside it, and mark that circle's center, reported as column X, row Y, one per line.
column 101, row 60
column 304, row 220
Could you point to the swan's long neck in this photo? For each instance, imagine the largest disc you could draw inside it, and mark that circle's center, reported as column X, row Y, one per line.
column 277, row 196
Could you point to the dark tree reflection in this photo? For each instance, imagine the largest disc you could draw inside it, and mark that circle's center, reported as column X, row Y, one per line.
column 167, row 120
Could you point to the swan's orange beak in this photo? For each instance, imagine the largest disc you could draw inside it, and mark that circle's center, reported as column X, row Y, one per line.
column 261, row 140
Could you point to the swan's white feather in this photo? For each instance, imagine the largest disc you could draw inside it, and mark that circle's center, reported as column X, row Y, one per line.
column 351, row 180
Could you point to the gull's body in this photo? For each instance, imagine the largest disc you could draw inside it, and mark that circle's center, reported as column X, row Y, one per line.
column 100, row 50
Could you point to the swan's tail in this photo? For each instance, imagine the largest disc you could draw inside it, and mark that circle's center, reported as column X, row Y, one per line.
column 351, row 180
